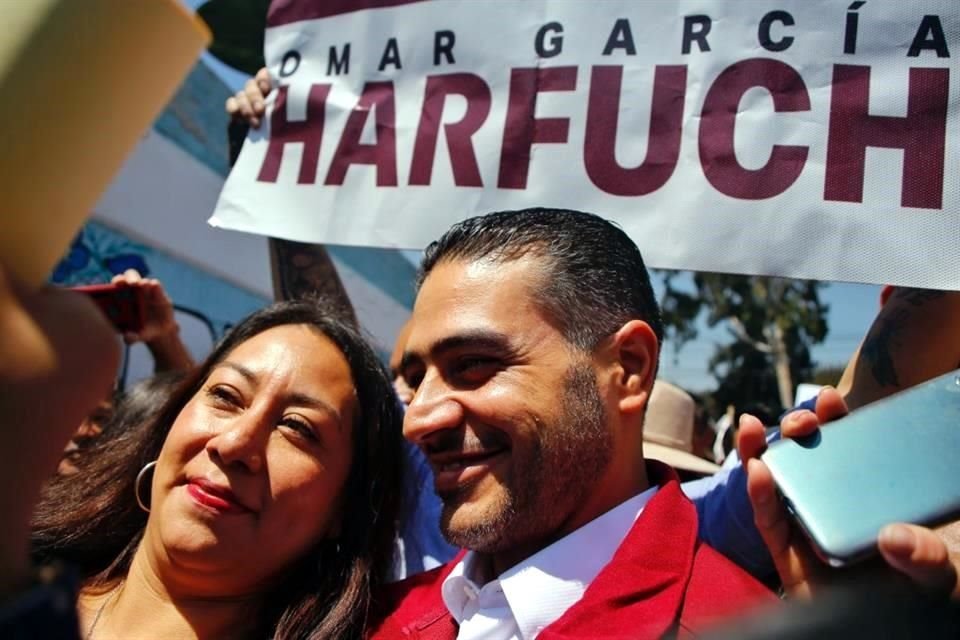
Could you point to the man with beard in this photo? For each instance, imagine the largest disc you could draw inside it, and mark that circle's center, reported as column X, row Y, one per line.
column 534, row 346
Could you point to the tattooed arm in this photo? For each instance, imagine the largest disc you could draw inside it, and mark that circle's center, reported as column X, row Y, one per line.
column 300, row 269
column 915, row 337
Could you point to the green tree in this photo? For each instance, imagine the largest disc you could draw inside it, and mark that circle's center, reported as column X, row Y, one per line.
column 773, row 322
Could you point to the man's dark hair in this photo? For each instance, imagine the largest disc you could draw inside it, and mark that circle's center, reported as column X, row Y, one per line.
column 594, row 278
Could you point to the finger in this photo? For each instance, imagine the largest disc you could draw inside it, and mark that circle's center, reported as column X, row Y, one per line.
column 127, row 277
column 244, row 108
column 124, row 279
column 791, row 555
column 920, row 554
column 752, row 439
column 830, row 405
column 263, row 81
column 232, row 107
column 798, row 424
column 254, row 96
column 768, row 513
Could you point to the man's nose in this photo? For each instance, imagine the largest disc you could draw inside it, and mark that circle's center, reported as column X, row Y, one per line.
column 433, row 408
column 242, row 442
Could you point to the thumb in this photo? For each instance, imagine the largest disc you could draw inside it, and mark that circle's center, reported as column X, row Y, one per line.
column 920, row 554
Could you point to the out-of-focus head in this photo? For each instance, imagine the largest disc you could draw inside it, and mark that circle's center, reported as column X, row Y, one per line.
column 272, row 454
column 670, row 431
column 704, row 431
column 530, row 329
column 124, row 412
column 404, row 392
column 88, row 431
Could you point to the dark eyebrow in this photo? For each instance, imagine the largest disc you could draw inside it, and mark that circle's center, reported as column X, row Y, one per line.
column 310, row 402
column 488, row 340
column 298, row 399
column 247, row 373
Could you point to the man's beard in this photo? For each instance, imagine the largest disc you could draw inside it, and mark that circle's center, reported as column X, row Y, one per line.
column 556, row 472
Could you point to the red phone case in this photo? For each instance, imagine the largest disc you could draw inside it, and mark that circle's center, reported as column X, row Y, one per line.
column 122, row 304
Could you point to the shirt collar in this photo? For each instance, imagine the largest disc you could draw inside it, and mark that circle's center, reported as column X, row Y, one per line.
column 542, row 587
column 456, row 587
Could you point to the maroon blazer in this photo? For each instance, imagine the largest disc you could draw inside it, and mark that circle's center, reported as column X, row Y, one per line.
column 661, row 580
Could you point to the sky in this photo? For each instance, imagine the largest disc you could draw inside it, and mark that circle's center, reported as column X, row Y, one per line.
column 852, row 307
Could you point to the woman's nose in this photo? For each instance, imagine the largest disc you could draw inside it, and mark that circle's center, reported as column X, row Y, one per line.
column 242, row 442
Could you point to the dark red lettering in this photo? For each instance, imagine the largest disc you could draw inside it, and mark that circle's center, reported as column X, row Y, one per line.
column 376, row 96
column 521, row 129
column 308, row 132
column 466, row 171
column 663, row 140
column 718, row 119
column 922, row 135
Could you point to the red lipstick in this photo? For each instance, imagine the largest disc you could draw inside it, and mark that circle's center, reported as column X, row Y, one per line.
column 215, row 497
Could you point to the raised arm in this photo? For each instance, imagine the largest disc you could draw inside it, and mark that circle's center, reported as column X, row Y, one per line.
column 914, row 338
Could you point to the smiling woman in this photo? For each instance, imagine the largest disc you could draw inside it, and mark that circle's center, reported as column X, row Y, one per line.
column 268, row 511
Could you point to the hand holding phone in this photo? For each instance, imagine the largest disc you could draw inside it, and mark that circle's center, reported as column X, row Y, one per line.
column 892, row 461
column 926, row 559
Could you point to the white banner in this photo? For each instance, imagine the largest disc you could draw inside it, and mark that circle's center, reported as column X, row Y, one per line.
column 802, row 138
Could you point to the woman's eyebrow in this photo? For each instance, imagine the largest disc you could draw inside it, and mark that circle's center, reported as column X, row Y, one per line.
column 303, row 400
column 246, row 372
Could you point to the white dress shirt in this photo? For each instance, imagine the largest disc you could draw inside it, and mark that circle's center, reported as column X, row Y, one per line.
column 531, row 595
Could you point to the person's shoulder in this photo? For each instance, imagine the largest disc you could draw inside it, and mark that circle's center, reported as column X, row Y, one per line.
column 719, row 590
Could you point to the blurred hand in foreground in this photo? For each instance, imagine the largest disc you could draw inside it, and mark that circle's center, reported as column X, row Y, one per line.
column 58, row 360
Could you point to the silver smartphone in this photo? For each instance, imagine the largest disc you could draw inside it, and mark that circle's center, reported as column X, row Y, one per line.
column 896, row 460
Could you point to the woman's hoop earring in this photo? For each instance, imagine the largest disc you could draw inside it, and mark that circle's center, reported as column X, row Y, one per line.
column 136, row 485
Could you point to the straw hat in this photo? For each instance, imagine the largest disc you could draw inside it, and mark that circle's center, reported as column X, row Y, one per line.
column 668, row 430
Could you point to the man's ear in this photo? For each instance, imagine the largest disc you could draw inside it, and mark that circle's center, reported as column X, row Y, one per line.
column 637, row 351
